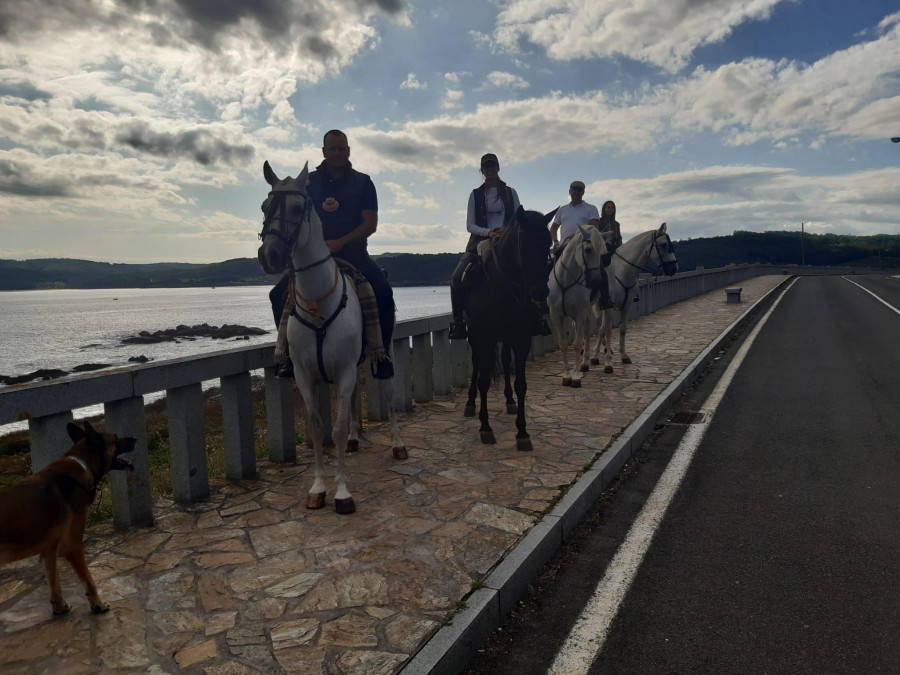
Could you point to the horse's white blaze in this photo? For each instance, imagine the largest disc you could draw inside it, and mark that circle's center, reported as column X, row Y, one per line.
column 590, row 630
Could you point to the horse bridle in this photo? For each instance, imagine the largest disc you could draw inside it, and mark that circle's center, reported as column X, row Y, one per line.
column 504, row 277
column 587, row 268
column 654, row 246
column 279, row 196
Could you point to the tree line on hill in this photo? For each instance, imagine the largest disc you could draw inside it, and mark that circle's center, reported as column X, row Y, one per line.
column 420, row 269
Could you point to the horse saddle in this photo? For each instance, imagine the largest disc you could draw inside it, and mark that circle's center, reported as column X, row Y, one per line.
column 373, row 344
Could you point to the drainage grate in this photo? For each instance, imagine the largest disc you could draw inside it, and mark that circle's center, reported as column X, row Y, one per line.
column 687, row 418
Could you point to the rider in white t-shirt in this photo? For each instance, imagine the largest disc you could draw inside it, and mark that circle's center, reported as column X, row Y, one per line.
column 565, row 225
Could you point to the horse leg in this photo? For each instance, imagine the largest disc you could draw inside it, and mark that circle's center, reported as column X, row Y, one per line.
column 577, row 344
column 505, row 357
column 469, row 410
column 344, row 386
column 353, row 437
column 398, row 448
column 622, row 329
column 585, row 343
column 523, row 440
column 567, row 377
column 310, row 393
column 485, row 353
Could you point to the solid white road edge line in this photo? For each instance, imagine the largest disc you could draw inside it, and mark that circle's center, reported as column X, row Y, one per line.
column 590, row 630
column 882, row 301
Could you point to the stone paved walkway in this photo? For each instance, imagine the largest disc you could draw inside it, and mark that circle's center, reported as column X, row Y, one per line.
column 251, row 581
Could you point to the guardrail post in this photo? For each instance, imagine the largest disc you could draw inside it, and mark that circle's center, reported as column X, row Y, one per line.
column 237, row 426
column 282, row 434
column 422, row 378
column 374, row 399
column 443, row 371
column 402, row 377
column 49, row 438
column 132, row 500
column 187, row 443
column 460, row 362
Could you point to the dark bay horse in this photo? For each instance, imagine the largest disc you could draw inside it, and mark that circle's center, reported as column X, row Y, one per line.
column 499, row 309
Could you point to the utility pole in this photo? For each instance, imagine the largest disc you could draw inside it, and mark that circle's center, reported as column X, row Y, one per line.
column 802, row 254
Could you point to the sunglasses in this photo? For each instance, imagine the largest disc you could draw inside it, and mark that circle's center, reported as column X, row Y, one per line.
column 576, row 189
column 490, row 165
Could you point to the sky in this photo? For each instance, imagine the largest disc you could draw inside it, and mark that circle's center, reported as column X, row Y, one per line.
column 136, row 130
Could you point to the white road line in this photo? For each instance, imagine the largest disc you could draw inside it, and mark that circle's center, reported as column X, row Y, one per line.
column 590, row 630
column 881, row 300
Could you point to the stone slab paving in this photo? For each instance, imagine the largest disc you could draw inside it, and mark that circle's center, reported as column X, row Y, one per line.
column 251, row 581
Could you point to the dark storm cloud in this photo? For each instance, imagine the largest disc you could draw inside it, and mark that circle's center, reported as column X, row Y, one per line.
column 15, row 181
column 200, row 145
column 200, row 21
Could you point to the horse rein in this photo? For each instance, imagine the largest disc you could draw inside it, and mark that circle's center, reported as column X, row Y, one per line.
column 654, row 245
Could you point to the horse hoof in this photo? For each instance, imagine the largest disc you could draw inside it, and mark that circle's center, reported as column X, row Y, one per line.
column 608, row 369
column 595, row 362
column 344, row 506
column 400, row 452
column 512, row 408
column 469, row 411
column 585, row 368
column 487, row 437
column 567, row 382
column 353, row 445
column 576, row 384
column 524, row 445
column 316, row 501
column 625, row 359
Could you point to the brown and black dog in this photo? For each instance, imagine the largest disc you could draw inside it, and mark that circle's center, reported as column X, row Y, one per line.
column 45, row 514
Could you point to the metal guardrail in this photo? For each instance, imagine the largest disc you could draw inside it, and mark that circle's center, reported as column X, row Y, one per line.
column 426, row 364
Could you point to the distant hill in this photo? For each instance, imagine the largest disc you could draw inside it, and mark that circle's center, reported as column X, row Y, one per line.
column 420, row 269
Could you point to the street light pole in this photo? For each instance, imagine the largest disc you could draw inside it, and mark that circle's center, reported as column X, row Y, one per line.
column 802, row 255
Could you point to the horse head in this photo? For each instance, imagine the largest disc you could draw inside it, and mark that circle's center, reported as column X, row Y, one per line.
column 663, row 252
column 534, row 243
column 593, row 248
column 285, row 210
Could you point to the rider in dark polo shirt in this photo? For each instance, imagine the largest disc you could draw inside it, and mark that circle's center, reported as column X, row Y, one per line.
column 347, row 205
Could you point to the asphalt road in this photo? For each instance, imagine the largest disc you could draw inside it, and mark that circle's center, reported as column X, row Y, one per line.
column 781, row 550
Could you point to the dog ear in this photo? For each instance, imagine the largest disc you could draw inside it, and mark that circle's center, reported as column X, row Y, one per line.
column 75, row 432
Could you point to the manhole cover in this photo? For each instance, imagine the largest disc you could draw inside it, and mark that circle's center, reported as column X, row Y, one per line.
column 687, row 418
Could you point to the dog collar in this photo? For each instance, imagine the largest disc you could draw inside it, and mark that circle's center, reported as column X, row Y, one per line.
column 80, row 463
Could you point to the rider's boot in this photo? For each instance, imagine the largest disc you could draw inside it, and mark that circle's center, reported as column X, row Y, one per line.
column 286, row 372
column 458, row 324
column 605, row 301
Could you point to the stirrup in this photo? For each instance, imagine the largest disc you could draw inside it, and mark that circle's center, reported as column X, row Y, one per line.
column 286, row 372
column 458, row 331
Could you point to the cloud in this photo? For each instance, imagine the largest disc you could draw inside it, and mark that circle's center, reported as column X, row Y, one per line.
column 412, row 83
column 506, row 80
column 198, row 144
column 721, row 199
column 404, row 198
column 664, row 34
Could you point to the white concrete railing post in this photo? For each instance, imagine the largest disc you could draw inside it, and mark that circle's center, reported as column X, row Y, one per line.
column 422, row 368
column 282, row 435
column 187, row 443
column 237, row 426
column 460, row 362
column 132, row 500
column 49, row 438
column 443, row 370
column 402, row 381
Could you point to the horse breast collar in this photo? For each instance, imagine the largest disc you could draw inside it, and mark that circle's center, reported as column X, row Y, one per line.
column 322, row 330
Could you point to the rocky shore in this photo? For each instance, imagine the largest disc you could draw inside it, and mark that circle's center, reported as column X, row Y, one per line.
column 181, row 332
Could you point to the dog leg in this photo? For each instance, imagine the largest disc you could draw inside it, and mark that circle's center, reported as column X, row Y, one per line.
column 79, row 564
column 60, row 606
column 73, row 550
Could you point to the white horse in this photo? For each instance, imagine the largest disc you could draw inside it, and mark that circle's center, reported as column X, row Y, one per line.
column 325, row 331
column 651, row 252
column 575, row 279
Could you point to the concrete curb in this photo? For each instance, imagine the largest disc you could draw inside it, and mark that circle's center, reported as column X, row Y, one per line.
column 451, row 648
